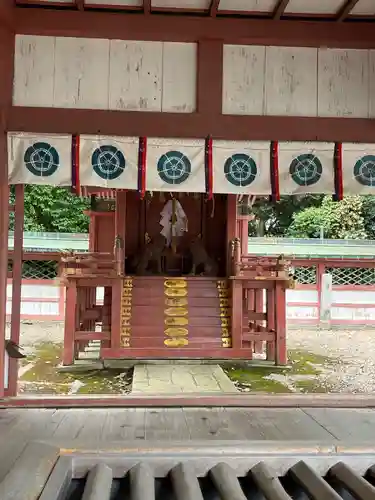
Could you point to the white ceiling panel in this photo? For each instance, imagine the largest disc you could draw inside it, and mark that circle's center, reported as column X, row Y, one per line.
column 364, row 8
column 313, row 6
column 248, row 5
column 181, row 4
column 115, row 3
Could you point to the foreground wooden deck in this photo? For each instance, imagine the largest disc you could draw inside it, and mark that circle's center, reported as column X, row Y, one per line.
column 75, row 428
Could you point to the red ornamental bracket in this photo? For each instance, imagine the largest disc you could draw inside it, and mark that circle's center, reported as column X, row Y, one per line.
column 274, row 164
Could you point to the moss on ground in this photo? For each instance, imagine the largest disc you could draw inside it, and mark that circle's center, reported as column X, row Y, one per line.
column 45, row 378
column 302, row 375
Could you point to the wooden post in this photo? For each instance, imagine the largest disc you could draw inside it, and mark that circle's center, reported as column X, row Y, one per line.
column 16, row 284
column 120, row 223
column 259, row 307
column 280, row 299
column 325, row 301
column 70, row 323
column 4, row 221
column 237, row 313
column 231, row 227
column 271, row 312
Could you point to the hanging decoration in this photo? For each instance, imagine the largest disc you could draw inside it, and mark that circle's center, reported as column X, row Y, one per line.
column 176, row 165
column 208, row 168
column 110, row 162
column 275, row 171
column 40, row 159
column 241, row 167
column 76, row 185
column 306, row 167
column 358, row 168
column 338, row 173
column 142, row 154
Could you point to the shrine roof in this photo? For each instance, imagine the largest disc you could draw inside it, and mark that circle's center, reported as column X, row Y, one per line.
column 337, row 10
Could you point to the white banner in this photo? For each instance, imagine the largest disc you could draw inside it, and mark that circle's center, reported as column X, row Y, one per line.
column 110, row 162
column 40, row 159
column 358, row 168
column 175, row 165
column 306, row 167
column 241, row 167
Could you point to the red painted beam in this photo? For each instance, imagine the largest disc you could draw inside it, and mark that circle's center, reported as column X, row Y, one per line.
column 7, row 8
column 280, row 9
column 80, row 5
column 122, row 26
column 121, row 123
column 346, row 9
column 214, row 7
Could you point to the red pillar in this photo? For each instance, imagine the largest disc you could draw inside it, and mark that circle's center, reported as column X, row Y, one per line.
column 16, row 285
column 280, row 299
column 231, row 226
column 70, row 324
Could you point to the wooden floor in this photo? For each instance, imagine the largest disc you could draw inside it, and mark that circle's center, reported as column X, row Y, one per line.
column 82, row 427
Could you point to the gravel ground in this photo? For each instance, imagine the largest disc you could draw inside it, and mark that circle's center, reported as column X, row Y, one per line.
column 351, row 353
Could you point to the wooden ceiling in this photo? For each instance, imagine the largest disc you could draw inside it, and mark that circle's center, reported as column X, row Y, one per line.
column 332, row 10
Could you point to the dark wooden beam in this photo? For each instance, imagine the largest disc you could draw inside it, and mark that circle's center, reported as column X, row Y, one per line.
column 7, row 8
column 214, row 7
column 122, row 26
column 147, row 6
column 210, row 77
column 192, row 125
column 279, row 9
column 345, row 10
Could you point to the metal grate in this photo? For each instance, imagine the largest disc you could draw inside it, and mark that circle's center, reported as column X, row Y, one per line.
column 39, row 269
column 259, row 479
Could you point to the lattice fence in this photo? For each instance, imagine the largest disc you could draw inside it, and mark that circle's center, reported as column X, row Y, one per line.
column 39, row 269
column 305, row 275
column 352, row 275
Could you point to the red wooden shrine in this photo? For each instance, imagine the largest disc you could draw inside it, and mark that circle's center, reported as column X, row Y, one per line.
column 176, row 314
column 213, row 70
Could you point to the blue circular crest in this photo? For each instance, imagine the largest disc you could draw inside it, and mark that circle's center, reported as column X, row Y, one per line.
column 240, row 170
column 108, row 162
column 174, row 167
column 41, row 159
column 306, row 169
column 364, row 171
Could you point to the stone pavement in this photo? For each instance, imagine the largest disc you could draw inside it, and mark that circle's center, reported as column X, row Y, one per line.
column 174, row 379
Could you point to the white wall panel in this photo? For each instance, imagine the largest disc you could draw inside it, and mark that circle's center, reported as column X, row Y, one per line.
column 343, row 83
column 81, row 73
column 372, row 84
column 243, row 79
column 291, row 83
column 248, row 5
column 135, row 75
column 179, row 77
column 34, row 71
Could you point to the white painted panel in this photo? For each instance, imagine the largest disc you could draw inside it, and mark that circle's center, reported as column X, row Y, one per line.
column 117, row 3
column 359, row 314
column 313, row 6
column 296, row 295
column 33, row 71
column 343, row 83
column 248, row 5
column 56, row 1
column 243, row 79
column 181, row 4
column 179, row 77
column 363, row 8
column 135, row 75
column 302, row 313
column 291, row 81
column 40, row 291
column 353, row 297
column 40, row 308
column 81, row 73
column 372, row 84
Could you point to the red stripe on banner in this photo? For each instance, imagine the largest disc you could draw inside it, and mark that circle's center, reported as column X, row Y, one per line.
column 339, row 189
column 209, row 169
column 142, row 166
column 275, row 171
column 77, row 165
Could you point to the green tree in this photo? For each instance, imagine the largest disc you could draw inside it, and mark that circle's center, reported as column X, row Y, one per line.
column 53, row 209
column 341, row 220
